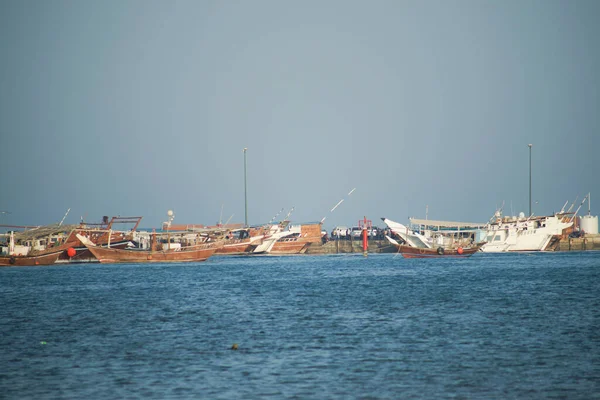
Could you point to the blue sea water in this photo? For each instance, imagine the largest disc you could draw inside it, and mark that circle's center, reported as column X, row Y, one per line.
column 508, row 326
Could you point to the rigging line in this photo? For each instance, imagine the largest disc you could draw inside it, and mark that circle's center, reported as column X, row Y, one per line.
column 276, row 215
column 289, row 213
column 62, row 220
column 576, row 211
column 398, row 252
column 338, row 203
column 572, row 205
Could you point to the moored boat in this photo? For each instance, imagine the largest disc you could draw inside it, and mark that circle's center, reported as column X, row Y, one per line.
column 272, row 236
column 103, row 234
column 241, row 241
column 289, row 245
column 300, row 238
column 408, row 251
column 24, row 261
column 169, row 252
column 42, row 240
column 441, row 243
column 533, row 233
column 18, row 255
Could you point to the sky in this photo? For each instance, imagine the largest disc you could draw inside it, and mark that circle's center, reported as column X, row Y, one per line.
column 137, row 107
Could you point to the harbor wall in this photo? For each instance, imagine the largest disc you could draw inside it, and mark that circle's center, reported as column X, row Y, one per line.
column 350, row 246
column 588, row 242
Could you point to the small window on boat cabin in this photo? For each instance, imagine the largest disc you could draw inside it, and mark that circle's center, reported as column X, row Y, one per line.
column 497, row 238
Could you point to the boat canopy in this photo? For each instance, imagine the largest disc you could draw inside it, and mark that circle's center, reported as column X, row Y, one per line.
column 446, row 224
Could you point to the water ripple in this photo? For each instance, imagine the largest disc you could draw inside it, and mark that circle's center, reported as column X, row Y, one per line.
column 493, row 327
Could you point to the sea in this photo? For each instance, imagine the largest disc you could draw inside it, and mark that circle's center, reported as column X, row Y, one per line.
column 492, row 326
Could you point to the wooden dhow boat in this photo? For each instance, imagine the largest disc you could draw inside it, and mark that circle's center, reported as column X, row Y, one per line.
column 412, row 244
column 169, row 252
column 40, row 241
column 237, row 239
column 242, row 241
column 18, row 255
column 408, row 251
column 273, row 234
column 302, row 236
column 28, row 261
column 103, row 234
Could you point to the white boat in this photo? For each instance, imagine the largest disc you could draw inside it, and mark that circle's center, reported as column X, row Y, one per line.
column 424, row 233
column 275, row 233
column 522, row 233
column 412, row 238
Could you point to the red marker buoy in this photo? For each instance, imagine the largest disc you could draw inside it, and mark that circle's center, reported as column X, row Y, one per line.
column 365, row 241
column 71, row 252
column 459, row 250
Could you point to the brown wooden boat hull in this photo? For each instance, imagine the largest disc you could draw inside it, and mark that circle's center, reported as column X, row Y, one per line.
column 289, row 247
column 26, row 261
column 309, row 233
column 118, row 240
column 242, row 247
column 83, row 254
column 416, row 252
column 192, row 254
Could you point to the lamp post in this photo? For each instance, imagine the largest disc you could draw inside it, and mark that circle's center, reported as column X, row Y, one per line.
column 530, row 179
column 245, row 192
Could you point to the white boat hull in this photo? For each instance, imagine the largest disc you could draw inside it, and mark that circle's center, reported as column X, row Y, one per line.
column 525, row 235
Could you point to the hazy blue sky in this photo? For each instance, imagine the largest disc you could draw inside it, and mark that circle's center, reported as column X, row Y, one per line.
column 137, row 107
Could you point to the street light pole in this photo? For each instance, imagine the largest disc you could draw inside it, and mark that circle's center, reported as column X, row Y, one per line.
column 530, row 179
column 245, row 192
